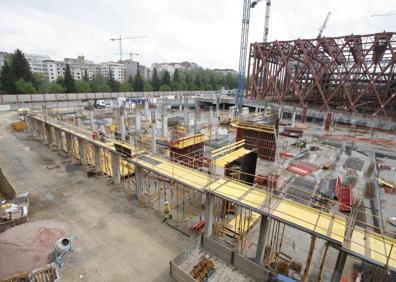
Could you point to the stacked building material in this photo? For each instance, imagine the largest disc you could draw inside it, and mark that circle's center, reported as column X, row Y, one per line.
column 188, row 151
column 292, row 132
column 303, row 168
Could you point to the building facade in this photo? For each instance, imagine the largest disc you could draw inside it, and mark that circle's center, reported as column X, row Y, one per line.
column 117, row 69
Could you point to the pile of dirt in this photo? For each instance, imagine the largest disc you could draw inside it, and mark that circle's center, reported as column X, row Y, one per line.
column 29, row 246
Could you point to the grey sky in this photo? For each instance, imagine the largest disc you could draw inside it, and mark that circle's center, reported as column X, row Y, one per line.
column 203, row 31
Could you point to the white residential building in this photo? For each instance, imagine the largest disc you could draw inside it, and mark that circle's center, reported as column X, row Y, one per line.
column 145, row 72
column 78, row 67
column 170, row 67
column 164, row 67
column 118, row 70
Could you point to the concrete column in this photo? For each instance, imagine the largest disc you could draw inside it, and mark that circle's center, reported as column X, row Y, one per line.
column 186, row 114
column 59, row 139
column 293, row 121
column 196, row 117
column 79, row 122
column 209, row 210
column 217, row 108
column 138, row 125
column 139, row 181
column 264, row 223
column 48, row 133
column 98, row 167
column 210, row 121
column 91, row 119
column 146, row 108
column 181, row 104
column 69, row 144
column 280, row 112
column 122, row 129
column 153, row 133
column 164, row 118
column 115, row 165
column 81, row 151
column 339, row 267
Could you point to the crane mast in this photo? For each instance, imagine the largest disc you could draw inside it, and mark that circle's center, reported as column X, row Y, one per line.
column 242, row 56
column 324, row 25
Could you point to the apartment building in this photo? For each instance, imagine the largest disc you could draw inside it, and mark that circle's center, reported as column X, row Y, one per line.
column 118, row 70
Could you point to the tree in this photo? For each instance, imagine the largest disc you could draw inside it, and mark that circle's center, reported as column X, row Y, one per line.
column 165, row 88
column 165, row 78
column 131, row 82
column 82, row 86
column 103, row 87
column 55, row 88
column 21, row 67
column 24, row 87
column 138, row 83
column 96, row 81
column 68, row 81
column 125, row 87
column 40, row 82
column 147, row 86
column 198, row 82
column 230, row 81
column 155, row 81
column 114, row 84
column 7, row 79
column 86, row 77
column 176, row 76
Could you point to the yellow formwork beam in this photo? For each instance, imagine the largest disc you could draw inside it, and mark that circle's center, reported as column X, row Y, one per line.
column 222, row 161
column 189, row 141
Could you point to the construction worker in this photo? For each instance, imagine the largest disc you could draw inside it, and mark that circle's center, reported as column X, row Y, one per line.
column 167, row 211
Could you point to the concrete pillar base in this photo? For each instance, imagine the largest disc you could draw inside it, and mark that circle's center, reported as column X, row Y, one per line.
column 264, row 223
column 115, row 164
column 209, row 208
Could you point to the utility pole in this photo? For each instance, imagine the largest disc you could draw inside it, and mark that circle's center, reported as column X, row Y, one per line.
column 120, row 38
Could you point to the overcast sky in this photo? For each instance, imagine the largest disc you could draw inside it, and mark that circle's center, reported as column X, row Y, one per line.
column 203, row 31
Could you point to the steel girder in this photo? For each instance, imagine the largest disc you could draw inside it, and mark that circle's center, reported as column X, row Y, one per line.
column 354, row 73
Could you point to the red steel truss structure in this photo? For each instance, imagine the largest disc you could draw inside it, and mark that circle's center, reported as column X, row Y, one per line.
column 354, row 73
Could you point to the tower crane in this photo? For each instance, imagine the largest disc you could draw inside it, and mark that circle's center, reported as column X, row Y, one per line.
column 384, row 15
column 119, row 39
column 324, row 25
column 247, row 5
column 130, row 55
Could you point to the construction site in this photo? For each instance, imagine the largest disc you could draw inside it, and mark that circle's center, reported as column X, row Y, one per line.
column 293, row 178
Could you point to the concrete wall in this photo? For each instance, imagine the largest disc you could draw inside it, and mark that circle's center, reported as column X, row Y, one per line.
column 215, row 248
column 254, row 270
column 28, row 98
column 218, row 250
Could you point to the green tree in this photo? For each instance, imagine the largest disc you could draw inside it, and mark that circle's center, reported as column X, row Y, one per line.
column 24, row 87
column 147, row 86
column 114, row 84
column 131, row 82
column 125, row 87
column 55, row 88
column 155, row 81
column 198, row 82
column 165, row 88
column 7, row 79
column 165, row 78
column 230, row 81
column 68, row 81
column 103, row 87
column 40, row 82
column 176, row 76
column 183, row 86
column 175, row 86
column 82, row 86
column 21, row 67
column 138, row 83
column 86, row 77
column 96, row 81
